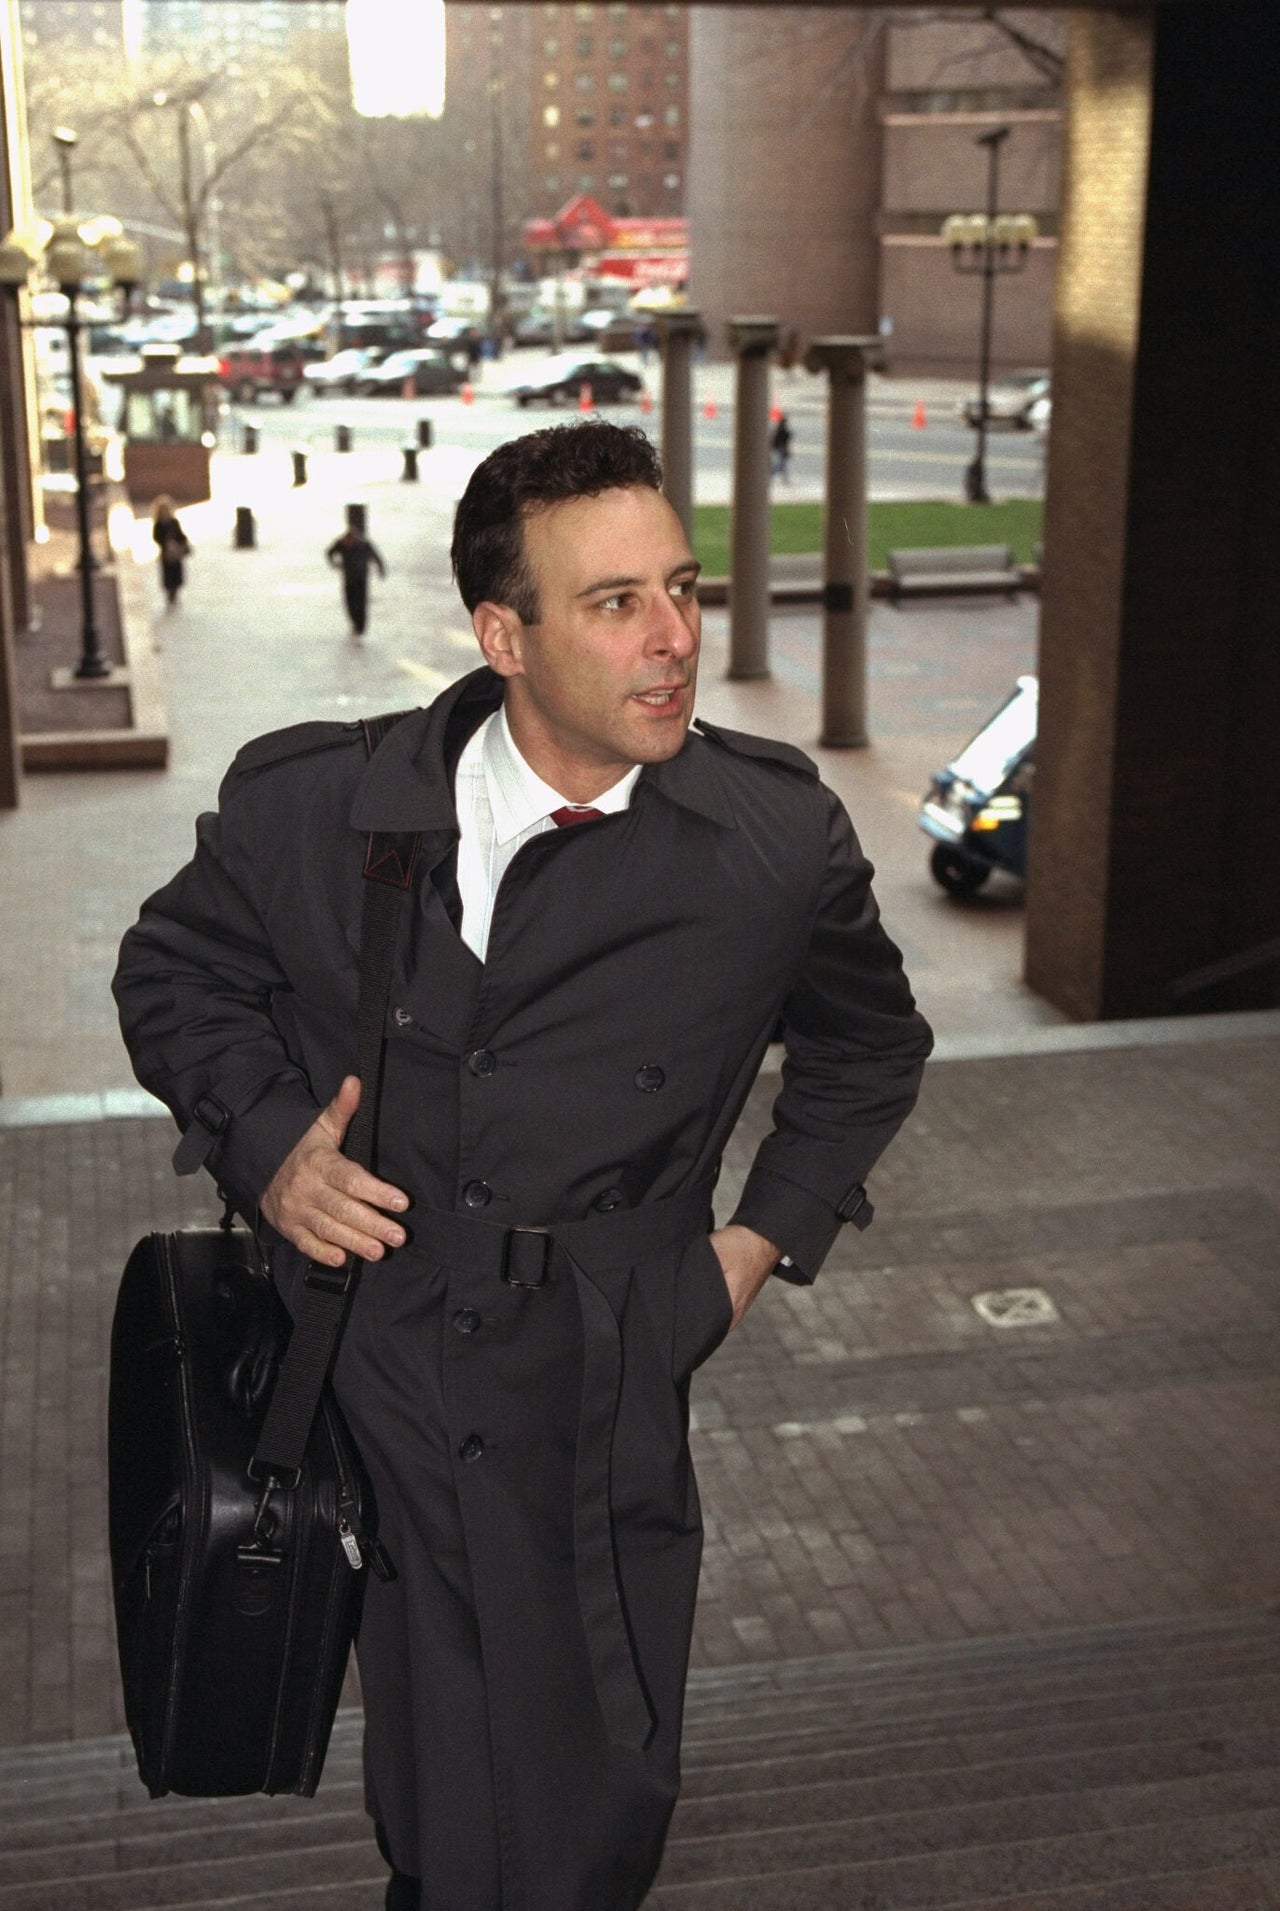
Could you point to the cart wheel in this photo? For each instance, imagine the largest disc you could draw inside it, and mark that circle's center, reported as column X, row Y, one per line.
column 960, row 875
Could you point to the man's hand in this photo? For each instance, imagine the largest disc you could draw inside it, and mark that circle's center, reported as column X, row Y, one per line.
column 748, row 1260
column 326, row 1205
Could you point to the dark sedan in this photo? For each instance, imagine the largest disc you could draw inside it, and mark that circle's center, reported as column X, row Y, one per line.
column 560, row 381
column 425, row 371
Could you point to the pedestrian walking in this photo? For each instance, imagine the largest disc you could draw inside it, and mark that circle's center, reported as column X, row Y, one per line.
column 352, row 554
column 174, row 546
column 613, row 913
column 780, row 448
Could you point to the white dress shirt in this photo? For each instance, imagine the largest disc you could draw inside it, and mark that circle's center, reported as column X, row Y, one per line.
column 503, row 804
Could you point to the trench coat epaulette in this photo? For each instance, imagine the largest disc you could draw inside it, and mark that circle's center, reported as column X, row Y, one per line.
column 744, row 743
column 283, row 746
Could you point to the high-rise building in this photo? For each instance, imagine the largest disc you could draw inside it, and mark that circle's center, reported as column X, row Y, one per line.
column 49, row 24
column 607, row 106
column 226, row 30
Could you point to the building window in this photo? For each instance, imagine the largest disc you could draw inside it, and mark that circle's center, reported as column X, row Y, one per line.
column 551, row 46
column 583, row 12
column 585, row 116
column 673, row 81
column 552, row 182
column 551, row 79
column 617, row 49
column 672, row 116
column 671, row 181
column 671, row 149
column 585, row 82
column 617, row 181
column 586, row 149
column 619, row 10
column 586, row 182
column 586, row 45
column 551, row 115
column 617, row 116
column 673, row 49
column 553, row 149
column 618, row 82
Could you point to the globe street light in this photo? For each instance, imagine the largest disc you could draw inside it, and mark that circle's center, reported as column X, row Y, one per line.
column 987, row 244
column 68, row 258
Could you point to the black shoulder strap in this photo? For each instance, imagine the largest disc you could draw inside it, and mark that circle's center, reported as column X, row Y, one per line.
column 326, row 1291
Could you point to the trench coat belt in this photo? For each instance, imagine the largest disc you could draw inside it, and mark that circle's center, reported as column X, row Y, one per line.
column 617, row 1239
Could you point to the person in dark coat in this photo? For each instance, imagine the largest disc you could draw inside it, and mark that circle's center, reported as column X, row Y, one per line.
column 175, row 547
column 780, row 447
column 613, row 913
column 353, row 553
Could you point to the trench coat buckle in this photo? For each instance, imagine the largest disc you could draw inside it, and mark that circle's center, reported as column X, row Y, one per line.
column 523, row 1264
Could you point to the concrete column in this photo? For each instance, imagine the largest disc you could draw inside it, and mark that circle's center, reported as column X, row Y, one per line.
column 679, row 332
column 844, row 587
column 753, row 339
column 15, row 445
column 1154, row 878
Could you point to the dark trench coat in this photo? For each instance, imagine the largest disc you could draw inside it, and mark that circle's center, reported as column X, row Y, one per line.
column 523, row 1675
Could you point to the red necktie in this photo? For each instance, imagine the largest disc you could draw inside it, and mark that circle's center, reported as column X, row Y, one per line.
column 569, row 814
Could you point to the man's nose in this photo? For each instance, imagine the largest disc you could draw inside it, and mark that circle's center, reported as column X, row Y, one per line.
column 669, row 629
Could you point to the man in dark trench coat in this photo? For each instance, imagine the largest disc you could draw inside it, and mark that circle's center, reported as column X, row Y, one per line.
column 612, row 915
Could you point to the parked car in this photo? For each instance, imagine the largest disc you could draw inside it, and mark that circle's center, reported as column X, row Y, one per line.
column 456, row 334
column 249, row 370
column 538, row 327
column 560, row 381
column 342, row 371
column 1010, row 405
column 611, row 331
column 429, row 369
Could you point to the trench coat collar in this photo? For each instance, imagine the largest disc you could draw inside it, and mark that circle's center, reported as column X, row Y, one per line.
column 408, row 783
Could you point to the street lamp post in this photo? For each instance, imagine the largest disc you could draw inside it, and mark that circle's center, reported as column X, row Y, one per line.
column 66, row 261
column 987, row 244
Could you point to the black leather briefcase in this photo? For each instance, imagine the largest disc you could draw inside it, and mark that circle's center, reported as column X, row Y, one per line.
column 236, row 1601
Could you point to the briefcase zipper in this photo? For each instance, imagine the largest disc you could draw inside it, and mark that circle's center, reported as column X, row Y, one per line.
column 350, row 1544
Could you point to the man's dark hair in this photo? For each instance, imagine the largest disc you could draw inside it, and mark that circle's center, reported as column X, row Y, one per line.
column 529, row 474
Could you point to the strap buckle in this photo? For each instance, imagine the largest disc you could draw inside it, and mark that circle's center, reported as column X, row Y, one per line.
column 515, row 1255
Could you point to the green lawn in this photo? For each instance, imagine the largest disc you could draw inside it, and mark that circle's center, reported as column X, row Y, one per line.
column 798, row 527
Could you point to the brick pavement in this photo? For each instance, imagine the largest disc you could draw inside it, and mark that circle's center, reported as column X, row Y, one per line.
column 877, row 1465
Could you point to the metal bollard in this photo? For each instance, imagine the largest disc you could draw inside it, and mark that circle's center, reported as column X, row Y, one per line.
column 410, row 473
column 299, row 465
column 248, row 438
column 358, row 518
column 342, row 437
column 246, row 530
column 425, row 429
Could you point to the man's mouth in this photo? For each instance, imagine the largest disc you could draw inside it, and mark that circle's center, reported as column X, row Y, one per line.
column 661, row 699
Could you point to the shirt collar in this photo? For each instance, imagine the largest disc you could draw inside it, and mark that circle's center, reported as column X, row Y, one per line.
column 407, row 784
column 518, row 797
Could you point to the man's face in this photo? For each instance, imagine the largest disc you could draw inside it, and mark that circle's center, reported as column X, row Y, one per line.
column 606, row 678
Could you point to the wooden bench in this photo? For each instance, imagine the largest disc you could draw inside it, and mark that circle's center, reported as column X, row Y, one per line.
column 933, row 569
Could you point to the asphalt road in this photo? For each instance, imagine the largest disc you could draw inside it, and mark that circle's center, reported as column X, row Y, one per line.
column 906, row 459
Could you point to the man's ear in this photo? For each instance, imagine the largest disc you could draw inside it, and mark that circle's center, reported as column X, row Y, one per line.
column 500, row 634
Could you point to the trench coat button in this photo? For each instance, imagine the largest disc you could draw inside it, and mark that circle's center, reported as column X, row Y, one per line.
column 471, row 1448
column 477, row 1194
column 401, row 1018
column 466, row 1320
column 607, row 1200
column 482, row 1061
column 650, row 1078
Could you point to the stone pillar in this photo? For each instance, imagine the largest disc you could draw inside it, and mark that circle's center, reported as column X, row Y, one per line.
column 1154, row 850
column 679, row 332
column 784, row 165
column 15, row 444
column 753, row 339
column 844, row 574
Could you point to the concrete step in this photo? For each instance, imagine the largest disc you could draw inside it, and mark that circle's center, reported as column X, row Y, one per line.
column 1118, row 1769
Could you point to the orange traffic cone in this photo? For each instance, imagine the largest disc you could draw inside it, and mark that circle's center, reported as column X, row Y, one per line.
column 646, row 400
column 468, row 392
column 709, row 409
column 918, row 419
column 586, row 399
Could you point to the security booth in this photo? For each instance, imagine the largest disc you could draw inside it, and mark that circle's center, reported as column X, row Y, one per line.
column 168, row 421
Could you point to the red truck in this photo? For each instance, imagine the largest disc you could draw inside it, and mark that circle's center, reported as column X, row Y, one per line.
column 250, row 369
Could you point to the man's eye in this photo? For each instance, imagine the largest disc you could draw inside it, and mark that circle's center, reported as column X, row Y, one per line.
column 615, row 602
column 685, row 587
